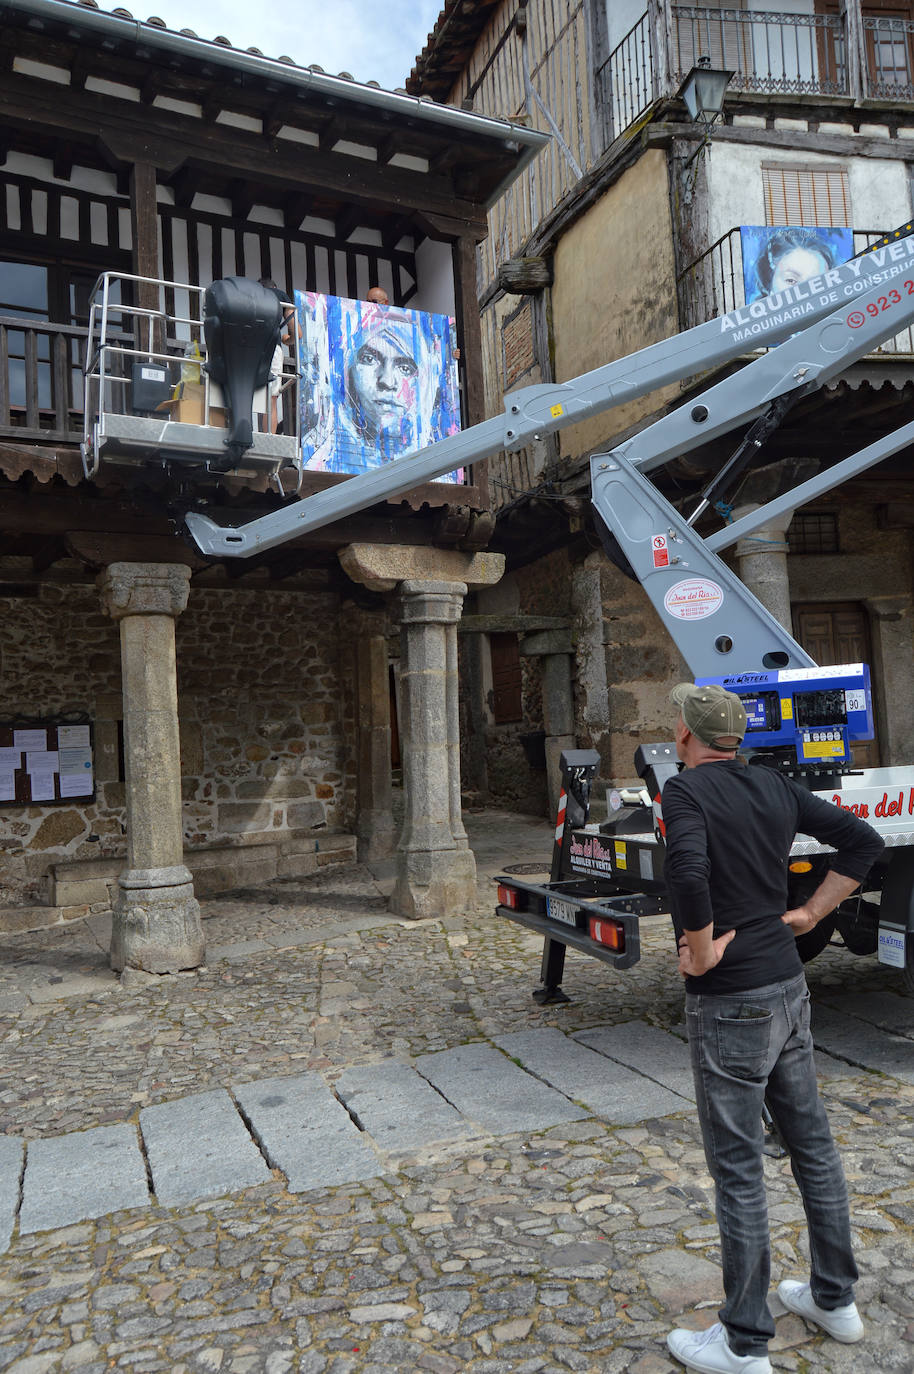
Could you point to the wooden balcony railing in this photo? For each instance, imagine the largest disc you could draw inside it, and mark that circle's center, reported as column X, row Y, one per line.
column 41, row 380
column 713, row 285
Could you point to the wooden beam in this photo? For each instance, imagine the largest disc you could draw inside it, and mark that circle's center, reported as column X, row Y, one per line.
column 243, row 196
column 168, row 142
column 99, row 549
column 295, row 207
column 144, row 224
column 63, row 161
column 184, row 185
column 153, row 85
column 346, row 223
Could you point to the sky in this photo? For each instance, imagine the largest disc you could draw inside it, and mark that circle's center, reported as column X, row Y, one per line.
column 373, row 40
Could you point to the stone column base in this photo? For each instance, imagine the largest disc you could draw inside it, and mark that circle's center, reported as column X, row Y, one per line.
column 156, row 925
column 436, row 882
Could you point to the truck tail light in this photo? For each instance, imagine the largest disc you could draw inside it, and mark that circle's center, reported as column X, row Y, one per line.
column 609, row 933
column 508, row 896
column 800, row 866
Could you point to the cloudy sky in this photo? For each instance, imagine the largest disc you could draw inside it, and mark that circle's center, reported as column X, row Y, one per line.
column 373, row 40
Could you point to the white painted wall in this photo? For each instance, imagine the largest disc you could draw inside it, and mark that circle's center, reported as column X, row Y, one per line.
column 621, row 15
column 435, row 278
column 879, row 190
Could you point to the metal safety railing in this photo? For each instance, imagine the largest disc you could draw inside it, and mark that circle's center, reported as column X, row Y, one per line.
column 138, row 323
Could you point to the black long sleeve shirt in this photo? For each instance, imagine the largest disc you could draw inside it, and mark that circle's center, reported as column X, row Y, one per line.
column 729, row 829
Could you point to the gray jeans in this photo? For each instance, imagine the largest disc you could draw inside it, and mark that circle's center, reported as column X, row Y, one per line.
column 747, row 1048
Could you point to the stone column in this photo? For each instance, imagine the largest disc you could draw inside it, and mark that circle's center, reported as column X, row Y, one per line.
column 762, row 564
column 892, row 672
column 375, row 827
column 156, row 916
column 592, row 683
column 436, row 871
column 555, row 649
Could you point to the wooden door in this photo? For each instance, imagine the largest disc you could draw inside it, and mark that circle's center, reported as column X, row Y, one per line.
column 838, row 632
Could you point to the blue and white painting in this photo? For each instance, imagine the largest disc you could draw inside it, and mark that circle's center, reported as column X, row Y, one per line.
column 378, row 382
column 776, row 257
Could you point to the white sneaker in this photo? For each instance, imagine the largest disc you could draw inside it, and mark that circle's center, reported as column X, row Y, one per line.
column 709, row 1352
column 842, row 1322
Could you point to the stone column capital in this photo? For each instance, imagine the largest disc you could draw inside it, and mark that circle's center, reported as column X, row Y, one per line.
column 437, row 603
column 144, row 589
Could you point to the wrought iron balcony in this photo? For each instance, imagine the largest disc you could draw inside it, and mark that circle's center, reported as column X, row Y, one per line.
column 713, row 285
column 766, row 50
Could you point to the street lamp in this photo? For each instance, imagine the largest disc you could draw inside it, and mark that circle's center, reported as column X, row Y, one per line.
column 703, row 93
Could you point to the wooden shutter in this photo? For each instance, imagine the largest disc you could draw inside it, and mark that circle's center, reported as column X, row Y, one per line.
column 806, row 195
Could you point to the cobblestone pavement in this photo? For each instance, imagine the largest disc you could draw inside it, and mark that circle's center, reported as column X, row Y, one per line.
column 570, row 1248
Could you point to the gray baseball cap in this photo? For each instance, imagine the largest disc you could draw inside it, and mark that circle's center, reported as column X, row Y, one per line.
column 710, row 712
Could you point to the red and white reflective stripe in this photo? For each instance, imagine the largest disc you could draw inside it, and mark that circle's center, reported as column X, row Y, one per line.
column 560, row 818
column 658, row 816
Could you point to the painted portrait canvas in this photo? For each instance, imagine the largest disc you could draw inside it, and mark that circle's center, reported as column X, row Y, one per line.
column 776, row 257
column 378, row 382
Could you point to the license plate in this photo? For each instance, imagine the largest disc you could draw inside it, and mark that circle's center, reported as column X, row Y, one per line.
column 891, row 948
column 561, row 911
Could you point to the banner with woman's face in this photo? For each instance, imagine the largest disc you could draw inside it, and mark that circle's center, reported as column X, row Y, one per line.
column 378, row 382
column 777, row 257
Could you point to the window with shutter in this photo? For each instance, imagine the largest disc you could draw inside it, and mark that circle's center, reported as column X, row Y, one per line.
column 806, row 195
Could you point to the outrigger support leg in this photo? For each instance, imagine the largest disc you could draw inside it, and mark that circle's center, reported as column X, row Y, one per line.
column 551, row 971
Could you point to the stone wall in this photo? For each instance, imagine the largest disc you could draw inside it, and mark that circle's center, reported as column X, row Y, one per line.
column 266, row 718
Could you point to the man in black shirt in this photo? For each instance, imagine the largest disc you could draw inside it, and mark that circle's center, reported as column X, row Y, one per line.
column 729, row 829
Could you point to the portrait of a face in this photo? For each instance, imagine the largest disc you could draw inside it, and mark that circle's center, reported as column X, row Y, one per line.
column 379, row 382
column 777, row 258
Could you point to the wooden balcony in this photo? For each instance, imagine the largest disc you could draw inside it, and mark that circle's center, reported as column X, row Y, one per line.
column 41, row 380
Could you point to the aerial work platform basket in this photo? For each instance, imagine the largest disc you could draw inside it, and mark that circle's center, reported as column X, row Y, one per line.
column 155, row 349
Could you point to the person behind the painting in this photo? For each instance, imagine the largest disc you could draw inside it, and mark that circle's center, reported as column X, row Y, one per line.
column 377, row 296
column 790, row 256
column 288, row 336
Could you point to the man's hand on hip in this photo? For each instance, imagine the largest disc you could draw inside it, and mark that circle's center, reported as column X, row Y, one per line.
column 699, row 952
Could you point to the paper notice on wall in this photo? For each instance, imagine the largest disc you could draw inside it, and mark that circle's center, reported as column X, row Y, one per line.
column 75, row 761
column 73, row 737
column 10, row 758
column 7, row 785
column 76, row 784
column 42, row 761
column 30, row 739
column 42, row 786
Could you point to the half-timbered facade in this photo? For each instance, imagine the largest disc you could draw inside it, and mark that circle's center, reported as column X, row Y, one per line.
column 166, row 158
column 626, row 231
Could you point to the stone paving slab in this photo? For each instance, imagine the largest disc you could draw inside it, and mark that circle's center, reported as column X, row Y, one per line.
column 648, row 1050
column 861, row 1043
column 81, row 1176
column 306, row 1133
column 399, row 1108
column 608, row 1089
column 199, row 1147
column 497, row 1094
column 891, row 1012
column 11, row 1152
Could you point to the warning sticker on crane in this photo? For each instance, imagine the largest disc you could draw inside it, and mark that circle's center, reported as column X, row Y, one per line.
column 659, row 551
column 693, row 599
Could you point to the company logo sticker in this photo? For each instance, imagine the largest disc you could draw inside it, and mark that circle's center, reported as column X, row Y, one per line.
column 694, row 599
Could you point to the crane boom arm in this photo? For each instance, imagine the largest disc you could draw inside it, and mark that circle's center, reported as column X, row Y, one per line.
column 828, row 323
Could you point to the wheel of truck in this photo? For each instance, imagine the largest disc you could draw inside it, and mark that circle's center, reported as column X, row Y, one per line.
column 815, row 940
